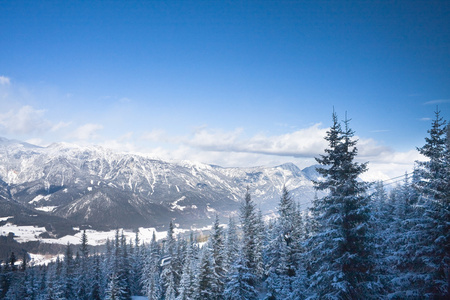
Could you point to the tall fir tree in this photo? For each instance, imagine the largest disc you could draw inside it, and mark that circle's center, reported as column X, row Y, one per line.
column 169, row 271
column 136, row 265
column 231, row 245
column 188, row 283
column 341, row 257
column 434, row 189
column 206, row 279
column 251, row 238
column 150, row 278
column 68, row 273
column 283, row 252
column 83, row 280
column 216, row 241
column 240, row 282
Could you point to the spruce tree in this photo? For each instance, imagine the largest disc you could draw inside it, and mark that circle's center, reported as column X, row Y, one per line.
column 136, row 265
column 68, row 273
column 284, row 272
column 240, row 283
column 83, row 284
column 206, row 282
column 231, row 245
column 96, row 288
column 188, row 284
column 434, row 189
column 218, row 258
column 341, row 257
column 150, row 279
column 251, row 243
column 169, row 274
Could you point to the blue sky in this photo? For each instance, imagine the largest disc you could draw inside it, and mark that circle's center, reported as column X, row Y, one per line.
column 234, row 83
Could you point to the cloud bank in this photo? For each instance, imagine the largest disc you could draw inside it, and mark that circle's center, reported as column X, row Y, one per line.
column 4, row 80
column 87, row 132
column 25, row 120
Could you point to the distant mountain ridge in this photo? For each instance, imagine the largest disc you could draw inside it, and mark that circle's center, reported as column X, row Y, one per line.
column 105, row 189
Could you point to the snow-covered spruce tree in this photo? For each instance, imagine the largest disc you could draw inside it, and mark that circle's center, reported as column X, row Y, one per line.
column 150, row 279
column 107, row 266
column 125, row 265
column 260, row 243
column 68, row 273
column 31, row 283
column 434, row 189
column 251, row 238
column 188, row 283
column 240, row 282
column 16, row 289
column 231, row 245
column 118, row 285
column 115, row 289
column 169, row 272
column 54, row 287
column 206, row 279
column 384, row 235
column 136, row 266
column 283, row 253
column 216, row 241
column 341, row 258
column 396, row 237
column 83, row 281
column 96, row 288
column 272, row 257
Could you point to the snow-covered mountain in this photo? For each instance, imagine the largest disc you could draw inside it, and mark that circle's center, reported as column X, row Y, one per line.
column 96, row 186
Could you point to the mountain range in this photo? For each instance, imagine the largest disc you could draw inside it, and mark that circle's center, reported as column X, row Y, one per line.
column 68, row 185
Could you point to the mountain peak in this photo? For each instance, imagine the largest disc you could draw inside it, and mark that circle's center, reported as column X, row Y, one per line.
column 7, row 142
column 289, row 166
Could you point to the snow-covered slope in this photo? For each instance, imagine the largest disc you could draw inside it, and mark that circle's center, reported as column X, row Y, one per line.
column 100, row 187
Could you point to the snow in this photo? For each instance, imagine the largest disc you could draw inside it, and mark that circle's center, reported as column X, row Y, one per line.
column 46, row 208
column 36, row 199
column 95, row 238
column 176, row 206
column 39, row 259
column 22, row 233
column 39, row 198
column 5, row 218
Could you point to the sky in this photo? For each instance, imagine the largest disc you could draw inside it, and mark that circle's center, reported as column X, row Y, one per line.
column 231, row 83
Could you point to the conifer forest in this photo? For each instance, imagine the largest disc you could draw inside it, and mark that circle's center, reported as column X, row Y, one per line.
column 359, row 241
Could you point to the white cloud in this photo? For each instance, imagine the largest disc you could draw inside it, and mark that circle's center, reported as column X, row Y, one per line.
column 126, row 136
column 156, row 135
column 425, row 119
column 119, row 145
column 438, row 101
column 301, row 143
column 369, row 148
column 60, row 125
column 4, row 80
column 390, row 164
column 24, row 121
column 87, row 132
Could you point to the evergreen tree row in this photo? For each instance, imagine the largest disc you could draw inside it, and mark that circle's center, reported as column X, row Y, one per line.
column 357, row 242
